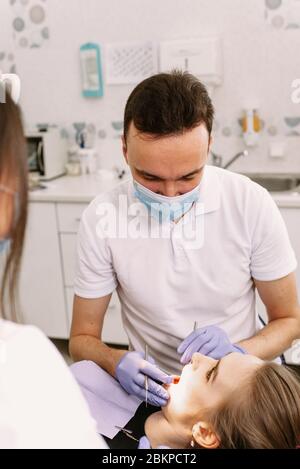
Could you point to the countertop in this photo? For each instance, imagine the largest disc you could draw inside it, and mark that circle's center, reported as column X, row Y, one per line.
column 78, row 189
column 83, row 189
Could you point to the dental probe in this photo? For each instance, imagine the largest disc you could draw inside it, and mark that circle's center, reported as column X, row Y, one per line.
column 146, row 377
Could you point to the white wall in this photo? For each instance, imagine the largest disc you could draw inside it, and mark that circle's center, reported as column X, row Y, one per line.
column 260, row 62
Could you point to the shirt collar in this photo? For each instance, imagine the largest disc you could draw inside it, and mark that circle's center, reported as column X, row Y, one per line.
column 210, row 190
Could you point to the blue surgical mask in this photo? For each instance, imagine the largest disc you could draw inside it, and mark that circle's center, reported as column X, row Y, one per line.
column 4, row 245
column 162, row 207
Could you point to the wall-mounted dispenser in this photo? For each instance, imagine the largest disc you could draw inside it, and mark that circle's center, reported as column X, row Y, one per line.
column 201, row 56
column 92, row 83
column 251, row 125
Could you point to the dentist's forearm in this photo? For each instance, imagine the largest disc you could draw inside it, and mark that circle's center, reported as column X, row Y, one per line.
column 274, row 339
column 85, row 347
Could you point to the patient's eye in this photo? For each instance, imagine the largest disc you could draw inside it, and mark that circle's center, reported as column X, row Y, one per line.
column 210, row 372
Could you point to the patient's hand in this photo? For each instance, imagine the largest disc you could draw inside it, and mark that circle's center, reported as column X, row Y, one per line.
column 211, row 341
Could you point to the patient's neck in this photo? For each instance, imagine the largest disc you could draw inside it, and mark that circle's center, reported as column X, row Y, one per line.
column 159, row 432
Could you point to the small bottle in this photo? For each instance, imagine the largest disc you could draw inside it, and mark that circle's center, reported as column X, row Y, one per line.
column 251, row 125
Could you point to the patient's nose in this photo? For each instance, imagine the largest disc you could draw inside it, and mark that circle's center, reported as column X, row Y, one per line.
column 198, row 359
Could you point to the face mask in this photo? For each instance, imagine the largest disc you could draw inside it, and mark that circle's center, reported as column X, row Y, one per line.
column 4, row 245
column 162, row 207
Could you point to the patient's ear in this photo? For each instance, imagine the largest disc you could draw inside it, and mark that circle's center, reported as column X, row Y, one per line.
column 205, row 436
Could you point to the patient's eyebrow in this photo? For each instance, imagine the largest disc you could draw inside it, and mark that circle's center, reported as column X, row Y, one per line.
column 215, row 370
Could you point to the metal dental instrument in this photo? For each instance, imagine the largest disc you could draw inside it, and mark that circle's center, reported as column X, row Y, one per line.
column 195, row 326
column 127, row 432
column 146, row 377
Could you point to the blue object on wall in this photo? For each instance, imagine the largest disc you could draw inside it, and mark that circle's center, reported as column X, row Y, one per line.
column 92, row 82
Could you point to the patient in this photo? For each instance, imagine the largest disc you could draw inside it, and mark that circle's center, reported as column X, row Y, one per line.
column 239, row 401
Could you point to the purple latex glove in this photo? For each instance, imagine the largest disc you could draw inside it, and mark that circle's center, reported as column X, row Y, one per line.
column 131, row 371
column 211, row 341
column 144, row 443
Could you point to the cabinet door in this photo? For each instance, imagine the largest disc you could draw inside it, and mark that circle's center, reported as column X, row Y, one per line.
column 68, row 249
column 291, row 217
column 113, row 332
column 41, row 283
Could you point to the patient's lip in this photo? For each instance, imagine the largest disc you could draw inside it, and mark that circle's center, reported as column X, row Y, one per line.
column 175, row 380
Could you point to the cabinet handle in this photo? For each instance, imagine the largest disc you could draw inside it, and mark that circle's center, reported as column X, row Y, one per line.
column 78, row 219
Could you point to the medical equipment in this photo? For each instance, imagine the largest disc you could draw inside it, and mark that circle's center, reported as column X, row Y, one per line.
column 127, row 433
column 202, row 56
column 47, row 153
column 146, row 377
column 195, row 326
column 92, row 82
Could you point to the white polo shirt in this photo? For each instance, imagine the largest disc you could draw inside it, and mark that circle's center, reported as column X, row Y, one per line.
column 166, row 282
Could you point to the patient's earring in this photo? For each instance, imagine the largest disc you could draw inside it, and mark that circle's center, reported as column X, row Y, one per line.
column 192, row 443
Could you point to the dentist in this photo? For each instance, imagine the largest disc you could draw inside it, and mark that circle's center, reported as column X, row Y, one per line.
column 200, row 241
column 41, row 406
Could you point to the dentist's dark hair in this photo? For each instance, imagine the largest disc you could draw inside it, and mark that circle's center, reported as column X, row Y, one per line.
column 168, row 104
column 13, row 174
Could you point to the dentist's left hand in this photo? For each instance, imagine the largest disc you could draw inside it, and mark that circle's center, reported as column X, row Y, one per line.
column 131, row 372
column 211, row 341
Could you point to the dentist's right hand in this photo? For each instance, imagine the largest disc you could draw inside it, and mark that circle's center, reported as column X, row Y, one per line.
column 131, row 371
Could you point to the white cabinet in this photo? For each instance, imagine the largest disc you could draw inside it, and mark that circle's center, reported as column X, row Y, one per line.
column 42, row 296
column 69, row 216
column 113, row 331
column 68, row 220
column 68, row 249
column 48, row 269
column 291, row 216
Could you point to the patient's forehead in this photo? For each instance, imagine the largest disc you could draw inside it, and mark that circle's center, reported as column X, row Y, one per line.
column 236, row 366
column 241, row 358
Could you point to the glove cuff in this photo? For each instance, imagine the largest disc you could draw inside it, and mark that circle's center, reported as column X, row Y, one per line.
column 119, row 363
column 240, row 349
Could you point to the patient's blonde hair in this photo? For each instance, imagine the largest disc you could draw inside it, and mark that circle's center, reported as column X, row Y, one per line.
column 264, row 413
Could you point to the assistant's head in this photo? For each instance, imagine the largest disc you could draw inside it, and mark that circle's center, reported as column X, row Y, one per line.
column 237, row 402
column 13, row 195
column 167, row 132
